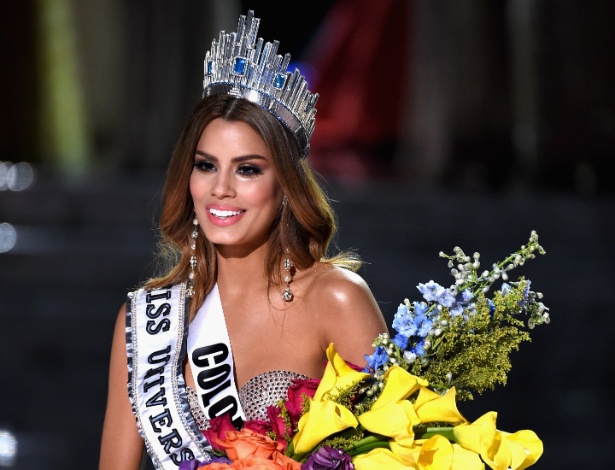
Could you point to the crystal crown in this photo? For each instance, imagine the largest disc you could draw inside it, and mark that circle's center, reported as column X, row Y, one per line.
column 240, row 65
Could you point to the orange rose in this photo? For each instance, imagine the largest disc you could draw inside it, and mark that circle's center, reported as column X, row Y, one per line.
column 285, row 462
column 246, row 443
column 256, row 463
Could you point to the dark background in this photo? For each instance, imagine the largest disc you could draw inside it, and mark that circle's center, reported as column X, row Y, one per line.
column 440, row 123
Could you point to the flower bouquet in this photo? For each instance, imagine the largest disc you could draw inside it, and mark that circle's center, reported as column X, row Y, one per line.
column 400, row 411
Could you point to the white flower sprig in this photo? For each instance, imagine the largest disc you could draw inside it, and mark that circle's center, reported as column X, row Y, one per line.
column 450, row 326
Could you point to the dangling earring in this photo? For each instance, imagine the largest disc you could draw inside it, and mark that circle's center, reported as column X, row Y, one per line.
column 195, row 234
column 287, row 295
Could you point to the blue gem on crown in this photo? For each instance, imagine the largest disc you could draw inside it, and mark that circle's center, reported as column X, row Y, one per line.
column 279, row 81
column 240, row 65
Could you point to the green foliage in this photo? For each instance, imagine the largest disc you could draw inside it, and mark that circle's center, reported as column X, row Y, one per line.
column 473, row 354
column 458, row 336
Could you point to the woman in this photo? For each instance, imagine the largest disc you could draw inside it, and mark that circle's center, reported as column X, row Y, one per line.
column 249, row 227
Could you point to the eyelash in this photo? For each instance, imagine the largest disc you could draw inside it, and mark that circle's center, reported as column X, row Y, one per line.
column 246, row 170
column 203, row 165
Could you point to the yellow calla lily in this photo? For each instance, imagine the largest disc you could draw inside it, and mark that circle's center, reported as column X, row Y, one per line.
column 500, row 450
column 478, row 436
column 464, row 459
column 393, row 419
column 500, row 456
column 326, row 417
column 517, row 451
column 337, row 376
column 323, row 419
column 432, row 407
column 380, row 458
column 439, row 454
column 435, row 453
column 399, row 385
column 532, row 446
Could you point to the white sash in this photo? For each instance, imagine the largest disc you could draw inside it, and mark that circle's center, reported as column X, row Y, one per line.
column 211, row 361
column 155, row 339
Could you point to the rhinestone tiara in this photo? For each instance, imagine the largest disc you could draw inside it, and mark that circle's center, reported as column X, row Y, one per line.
column 240, row 65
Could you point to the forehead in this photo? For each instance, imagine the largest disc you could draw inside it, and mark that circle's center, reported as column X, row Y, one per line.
column 231, row 137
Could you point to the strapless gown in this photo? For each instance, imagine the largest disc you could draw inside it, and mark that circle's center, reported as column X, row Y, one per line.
column 255, row 396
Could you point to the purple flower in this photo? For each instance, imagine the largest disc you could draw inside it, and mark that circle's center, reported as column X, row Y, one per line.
column 328, row 458
column 190, row 464
column 196, row 464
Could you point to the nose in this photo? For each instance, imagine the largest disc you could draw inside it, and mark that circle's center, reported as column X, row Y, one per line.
column 222, row 186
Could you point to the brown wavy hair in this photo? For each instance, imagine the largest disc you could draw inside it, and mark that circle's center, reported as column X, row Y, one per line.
column 306, row 223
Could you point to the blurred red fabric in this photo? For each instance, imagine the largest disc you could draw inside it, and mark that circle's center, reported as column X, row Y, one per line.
column 360, row 61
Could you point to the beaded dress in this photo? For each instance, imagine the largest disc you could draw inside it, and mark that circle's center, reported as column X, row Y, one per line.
column 255, row 396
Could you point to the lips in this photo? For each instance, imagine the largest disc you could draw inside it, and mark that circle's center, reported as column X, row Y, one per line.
column 224, row 216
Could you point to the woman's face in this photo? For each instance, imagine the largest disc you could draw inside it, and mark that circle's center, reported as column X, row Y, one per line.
column 234, row 187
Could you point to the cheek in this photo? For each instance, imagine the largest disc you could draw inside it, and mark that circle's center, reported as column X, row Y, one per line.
column 269, row 198
column 196, row 189
column 266, row 195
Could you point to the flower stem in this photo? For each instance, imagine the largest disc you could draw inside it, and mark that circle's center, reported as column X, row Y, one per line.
column 442, row 431
column 368, row 443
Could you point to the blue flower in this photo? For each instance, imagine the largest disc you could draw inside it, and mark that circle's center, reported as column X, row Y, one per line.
column 445, row 298
column 430, row 291
column 462, row 303
column 418, row 348
column 420, row 308
column 424, row 327
column 467, row 295
column 526, row 295
column 378, row 359
column 401, row 341
column 456, row 309
column 403, row 321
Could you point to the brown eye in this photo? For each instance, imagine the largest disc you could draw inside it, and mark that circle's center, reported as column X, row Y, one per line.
column 204, row 165
column 249, row 170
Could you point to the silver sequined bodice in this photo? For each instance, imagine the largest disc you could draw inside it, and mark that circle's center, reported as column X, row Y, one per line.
column 255, row 396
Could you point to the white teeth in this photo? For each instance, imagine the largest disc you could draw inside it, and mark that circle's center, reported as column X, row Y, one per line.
column 219, row 213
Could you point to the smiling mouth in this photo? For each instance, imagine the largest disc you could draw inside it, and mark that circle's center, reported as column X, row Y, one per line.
column 220, row 214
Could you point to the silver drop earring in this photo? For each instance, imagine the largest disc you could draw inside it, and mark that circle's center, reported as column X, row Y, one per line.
column 195, row 234
column 287, row 295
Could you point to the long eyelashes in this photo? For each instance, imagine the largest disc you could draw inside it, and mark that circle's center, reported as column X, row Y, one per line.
column 245, row 170
column 203, row 165
column 249, row 170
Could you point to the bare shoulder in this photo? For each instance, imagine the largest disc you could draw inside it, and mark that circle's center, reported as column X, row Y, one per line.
column 339, row 287
column 346, row 311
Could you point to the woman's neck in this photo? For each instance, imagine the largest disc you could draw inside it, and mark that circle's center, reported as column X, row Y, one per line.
column 241, row 270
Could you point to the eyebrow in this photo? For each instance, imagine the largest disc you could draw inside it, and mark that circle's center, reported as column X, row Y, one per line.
column 239, row 159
